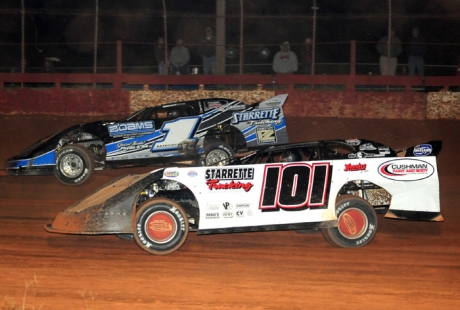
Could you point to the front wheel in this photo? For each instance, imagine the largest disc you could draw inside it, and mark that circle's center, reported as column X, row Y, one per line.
column 357, row 223
column 161, row 226
column 218, row 154
column 74, row 164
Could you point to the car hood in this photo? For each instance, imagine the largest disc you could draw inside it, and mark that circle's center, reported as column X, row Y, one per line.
column 50, row 142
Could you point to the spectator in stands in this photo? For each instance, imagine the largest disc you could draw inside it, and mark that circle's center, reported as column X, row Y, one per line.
column 388, row 62
column 179, row 58
column 285, row 61
column 159, row 51
column 208, row 52
column 416, row 48
column 307, row 57
column 458, row 68
column 48, row 65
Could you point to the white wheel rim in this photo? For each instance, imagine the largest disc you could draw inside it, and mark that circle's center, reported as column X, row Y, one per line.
column 216, row 157
column 71, row 166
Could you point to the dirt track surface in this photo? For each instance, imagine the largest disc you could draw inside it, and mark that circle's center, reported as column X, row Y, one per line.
column 409, row 265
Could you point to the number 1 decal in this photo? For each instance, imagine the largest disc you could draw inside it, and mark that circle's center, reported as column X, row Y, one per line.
column 175, row 132
column 294, row 186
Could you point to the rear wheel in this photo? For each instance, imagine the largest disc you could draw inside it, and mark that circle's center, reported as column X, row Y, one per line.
column 357, row 223
column 74, row 164
column 218, row 154
column 161, row 226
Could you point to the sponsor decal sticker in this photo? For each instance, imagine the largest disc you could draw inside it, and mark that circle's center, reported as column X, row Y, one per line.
column 214, row 176
column 265, row 122
column 266, row 134
column 171, row 174
column 384, row 150
column 242, row 205
column 229, row 174
column 239, row 213
column 406, row 170
column 355, row 167
column 215, row 185
column 131, row 128
column 192, row 174
column 213, row 215
column 237, row 107
column 423, row 150
column 273, row 103
column 227, row 215
column 227, row 206
column 367, row 147
column 212, row 206
column 255, row 115
column 132, row 146
column 353, row 142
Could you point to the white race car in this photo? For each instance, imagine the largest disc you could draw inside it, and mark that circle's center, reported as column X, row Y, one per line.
column 321, row 185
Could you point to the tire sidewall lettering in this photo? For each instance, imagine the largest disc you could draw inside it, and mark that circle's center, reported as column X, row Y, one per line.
column 151, row 244
column 370, row 230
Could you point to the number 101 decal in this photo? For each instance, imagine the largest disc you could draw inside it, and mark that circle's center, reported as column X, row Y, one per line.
column 295, row 186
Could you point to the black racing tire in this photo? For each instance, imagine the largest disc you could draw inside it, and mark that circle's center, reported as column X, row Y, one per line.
column 218, row 154
column 161, row 226
column 74, row 164
column 357, row 223
column 127, row 237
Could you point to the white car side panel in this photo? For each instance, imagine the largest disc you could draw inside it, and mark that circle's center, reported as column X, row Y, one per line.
column 412, row 182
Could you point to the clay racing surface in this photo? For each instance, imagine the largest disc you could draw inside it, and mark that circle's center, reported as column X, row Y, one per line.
column 409, row 265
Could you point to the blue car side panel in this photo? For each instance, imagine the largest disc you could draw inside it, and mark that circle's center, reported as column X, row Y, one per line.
column 45, row 159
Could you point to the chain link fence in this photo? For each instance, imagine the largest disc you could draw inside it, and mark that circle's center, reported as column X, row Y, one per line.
column 81, row 36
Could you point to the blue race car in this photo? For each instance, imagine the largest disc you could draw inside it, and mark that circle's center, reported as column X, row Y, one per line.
column 196, row 132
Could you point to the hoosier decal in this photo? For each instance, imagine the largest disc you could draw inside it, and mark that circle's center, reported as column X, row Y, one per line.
column 355, row 167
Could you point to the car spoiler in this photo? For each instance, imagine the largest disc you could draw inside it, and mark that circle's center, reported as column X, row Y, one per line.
column 108, row 210
column 430, row 148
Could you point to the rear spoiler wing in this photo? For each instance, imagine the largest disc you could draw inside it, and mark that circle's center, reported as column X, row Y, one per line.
column 430, row 148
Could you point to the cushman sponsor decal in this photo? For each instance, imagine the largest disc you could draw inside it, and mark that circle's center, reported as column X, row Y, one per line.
column 406, row 170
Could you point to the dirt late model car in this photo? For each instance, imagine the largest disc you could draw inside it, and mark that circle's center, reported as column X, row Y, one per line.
column 209, row 130
column 336, row 186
